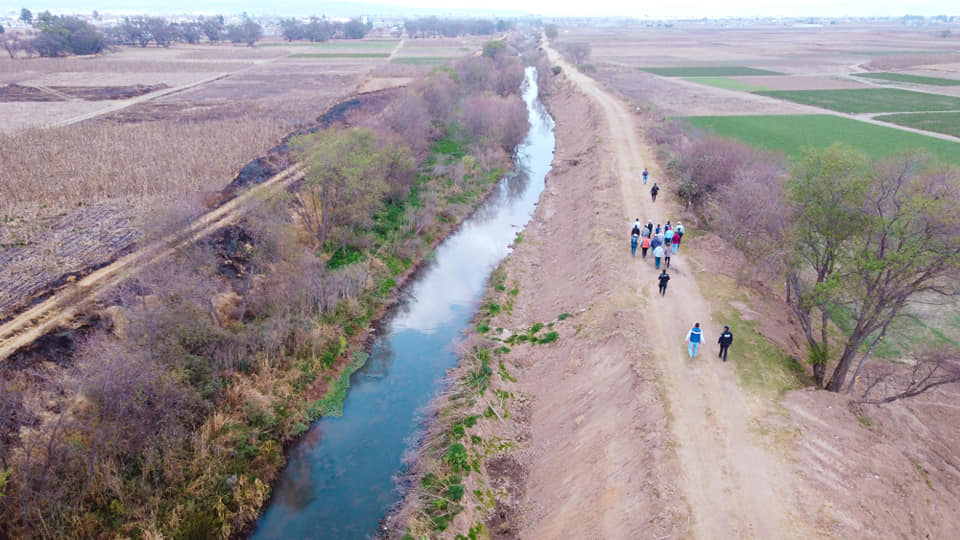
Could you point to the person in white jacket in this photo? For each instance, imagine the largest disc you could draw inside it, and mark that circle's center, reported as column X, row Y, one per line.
column 657, row 255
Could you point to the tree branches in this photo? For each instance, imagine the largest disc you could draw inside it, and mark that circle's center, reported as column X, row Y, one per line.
column 864, row 240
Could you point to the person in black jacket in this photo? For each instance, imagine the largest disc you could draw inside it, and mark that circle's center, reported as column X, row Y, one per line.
column 726, row 338
column 653, row 191
column 664, row 277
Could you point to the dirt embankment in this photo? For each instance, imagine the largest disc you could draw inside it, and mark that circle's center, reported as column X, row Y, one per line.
column 618, row 434
column 599, row 456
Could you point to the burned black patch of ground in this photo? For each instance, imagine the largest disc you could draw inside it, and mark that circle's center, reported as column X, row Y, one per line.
column 17, row 92
column 280, row 157
column 232, row 246
column 507, row 474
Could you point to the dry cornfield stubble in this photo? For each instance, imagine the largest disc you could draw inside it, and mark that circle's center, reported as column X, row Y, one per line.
column 53, row 170
column 74, row 196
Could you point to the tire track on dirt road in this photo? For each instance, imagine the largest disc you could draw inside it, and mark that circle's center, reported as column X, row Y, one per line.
column 62, row 306
column 734, row 487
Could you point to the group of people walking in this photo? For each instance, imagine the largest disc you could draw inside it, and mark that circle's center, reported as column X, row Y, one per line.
column 662, row 241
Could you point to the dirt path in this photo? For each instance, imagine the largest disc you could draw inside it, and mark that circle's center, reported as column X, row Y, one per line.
column 733, row 486
column 65, row 304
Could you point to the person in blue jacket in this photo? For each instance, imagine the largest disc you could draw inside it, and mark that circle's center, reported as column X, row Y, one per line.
column 694, row 337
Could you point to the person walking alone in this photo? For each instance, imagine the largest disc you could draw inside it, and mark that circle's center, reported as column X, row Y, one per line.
column 664, row 277
column 694, row 337
column 653, row 191
column 726, row 338
column 657, row 255
column 645, row 173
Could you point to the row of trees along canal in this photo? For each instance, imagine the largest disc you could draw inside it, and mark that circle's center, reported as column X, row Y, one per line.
column 170, row 417
column 855, row 242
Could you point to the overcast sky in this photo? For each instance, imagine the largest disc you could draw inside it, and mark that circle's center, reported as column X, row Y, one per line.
column 577, row 8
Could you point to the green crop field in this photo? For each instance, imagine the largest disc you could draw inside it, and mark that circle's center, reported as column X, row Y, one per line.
column 946, row 122
column 707, row 71
column 418, row 60
column 340, row 55
column 868, row 100
column 903, row 77
column 352, row 44
column 726, row 82
column 790, row 134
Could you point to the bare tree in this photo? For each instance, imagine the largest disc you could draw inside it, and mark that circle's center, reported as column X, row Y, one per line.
column 933, row 368
column 577, row 51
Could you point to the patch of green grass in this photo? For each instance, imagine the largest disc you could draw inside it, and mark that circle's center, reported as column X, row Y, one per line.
column 708, row 71
column 549, row 337
column 454, row 144
column 760, row 365
column 340, row 55
column 910, row 332
column 332, row 403
column 791, row 133
column 904, row 77
column 923, row 474
column 478, row 378
column 728, row 83
column 422, row 60
column 457, row 458
column 942, row 122
column 868, row 100
column 504, row 374
column 351, row 44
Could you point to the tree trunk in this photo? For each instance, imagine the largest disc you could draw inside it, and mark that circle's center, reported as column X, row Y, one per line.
column 883, row 332
column 819, row 372
column 840, row 372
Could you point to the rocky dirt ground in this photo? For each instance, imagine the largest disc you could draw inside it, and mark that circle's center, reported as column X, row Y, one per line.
column 623, row 436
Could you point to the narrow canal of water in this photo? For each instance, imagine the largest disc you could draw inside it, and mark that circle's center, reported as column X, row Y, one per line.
column 339, row 481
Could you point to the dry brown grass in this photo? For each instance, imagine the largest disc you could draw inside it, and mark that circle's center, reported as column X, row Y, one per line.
column 50, row 170
column 114, row 65
column 906, row 61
